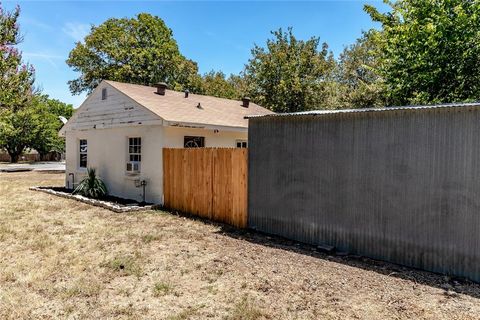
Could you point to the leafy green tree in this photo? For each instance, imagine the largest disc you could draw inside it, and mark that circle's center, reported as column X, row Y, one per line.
column 139, row 50
column 359, row 85
column 17, row 130
column 16, row 78
column 214, row 83
column 429, row 51
column 290, row 75
column 35, row 126
column 45, row 133
column 239, row 84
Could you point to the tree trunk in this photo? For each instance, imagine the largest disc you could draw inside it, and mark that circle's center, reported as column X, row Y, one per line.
column 14, row 157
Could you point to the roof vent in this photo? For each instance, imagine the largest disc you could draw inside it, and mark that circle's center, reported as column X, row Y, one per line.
column 245, row 102
column 186, row 93
column 199, row 106
column 161, row 87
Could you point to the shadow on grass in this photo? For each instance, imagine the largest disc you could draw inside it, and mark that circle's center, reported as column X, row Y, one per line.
column 451, row 285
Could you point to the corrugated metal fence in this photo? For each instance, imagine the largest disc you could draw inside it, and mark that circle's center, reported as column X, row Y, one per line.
column 401, row 186
column 207, row 182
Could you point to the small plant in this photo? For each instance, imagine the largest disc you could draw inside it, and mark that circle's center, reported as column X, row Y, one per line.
column 126, row 265
column 161, row 289
column 245, row 310
column 147, row 238
column 91, row 186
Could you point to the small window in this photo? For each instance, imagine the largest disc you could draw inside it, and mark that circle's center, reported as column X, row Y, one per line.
column 193, row 142
column 135, row 149
column 242, row 143
column 104, row 94
column 83, row 150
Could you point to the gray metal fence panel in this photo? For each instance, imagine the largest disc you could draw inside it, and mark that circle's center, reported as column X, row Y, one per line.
column 401, row 186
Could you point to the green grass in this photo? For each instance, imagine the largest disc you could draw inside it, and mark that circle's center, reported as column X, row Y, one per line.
column 162, row 288
column 125, row 264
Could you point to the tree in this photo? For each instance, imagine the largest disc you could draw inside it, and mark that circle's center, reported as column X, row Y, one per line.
column 45, row 133
column 216, row 84
column 359, row 85
column 34, row 126
column 290, row 75
column 16, row 88
column 429, row 51
column 140, row 50
column 16, row 78
column 17, row 130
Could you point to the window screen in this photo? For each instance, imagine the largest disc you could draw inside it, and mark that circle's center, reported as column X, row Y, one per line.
column 83, row 153
column 193, row 142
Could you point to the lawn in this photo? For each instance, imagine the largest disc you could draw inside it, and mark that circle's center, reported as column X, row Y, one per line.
column 64, row 259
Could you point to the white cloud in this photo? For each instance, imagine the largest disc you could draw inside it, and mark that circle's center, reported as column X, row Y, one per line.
column 77, row 31
column 42, row 55
column 50, row 58
column 35, row 23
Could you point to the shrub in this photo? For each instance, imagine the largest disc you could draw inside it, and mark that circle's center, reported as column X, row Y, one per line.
column 91, row 186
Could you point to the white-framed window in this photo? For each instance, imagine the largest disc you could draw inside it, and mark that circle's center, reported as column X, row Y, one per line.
column 134, row 154
column 83, row 153
column 241, row 143
column 104, row 94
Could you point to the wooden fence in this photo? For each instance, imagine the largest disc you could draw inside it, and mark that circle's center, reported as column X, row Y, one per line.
column 207, row 182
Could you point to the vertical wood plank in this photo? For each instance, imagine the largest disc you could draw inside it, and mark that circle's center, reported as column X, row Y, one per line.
column 207, row 182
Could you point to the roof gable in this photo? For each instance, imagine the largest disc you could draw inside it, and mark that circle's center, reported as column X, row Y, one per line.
column 117, row 109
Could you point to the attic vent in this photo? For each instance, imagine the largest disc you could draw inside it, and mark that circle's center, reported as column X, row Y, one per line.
column 104, row 94
column 245, row 102
column 161, row 87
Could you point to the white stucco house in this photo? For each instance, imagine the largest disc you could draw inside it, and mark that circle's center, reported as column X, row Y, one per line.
column 120, row 130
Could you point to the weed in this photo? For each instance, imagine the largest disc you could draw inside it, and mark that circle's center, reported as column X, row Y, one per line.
column 147, row 238
column 162, row 288
column 245, row 310
column 183, row 315
column 125, row 264
column 83, row 288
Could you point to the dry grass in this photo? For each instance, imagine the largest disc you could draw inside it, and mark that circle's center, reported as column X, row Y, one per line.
column 64, row 259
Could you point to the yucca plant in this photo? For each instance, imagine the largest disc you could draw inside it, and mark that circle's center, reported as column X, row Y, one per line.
column 91, row 186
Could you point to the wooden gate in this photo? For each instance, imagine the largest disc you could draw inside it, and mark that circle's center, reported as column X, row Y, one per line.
column 207, row 182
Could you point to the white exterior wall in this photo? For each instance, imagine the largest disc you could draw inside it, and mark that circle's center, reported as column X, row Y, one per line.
column 108, row 153
column 107, row 125
column 225, row 139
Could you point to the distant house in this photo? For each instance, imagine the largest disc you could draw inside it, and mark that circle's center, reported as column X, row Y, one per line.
column 120, row 130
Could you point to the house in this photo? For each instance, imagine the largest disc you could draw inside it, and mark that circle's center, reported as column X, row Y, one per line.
column 121, row 129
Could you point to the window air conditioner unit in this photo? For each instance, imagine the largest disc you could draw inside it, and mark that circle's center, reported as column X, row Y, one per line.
column 133, row 167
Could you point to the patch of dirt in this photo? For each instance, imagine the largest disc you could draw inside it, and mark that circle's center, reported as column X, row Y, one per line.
column 64, row 259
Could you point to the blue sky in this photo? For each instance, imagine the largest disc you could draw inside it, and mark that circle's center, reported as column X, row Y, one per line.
column 218, row 35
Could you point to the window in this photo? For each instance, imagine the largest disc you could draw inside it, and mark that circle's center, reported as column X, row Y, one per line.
column 104, row 94
column 134, row 154
column 135, row 149
column 193, row 142
column 242, row 143
column 83, row 153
